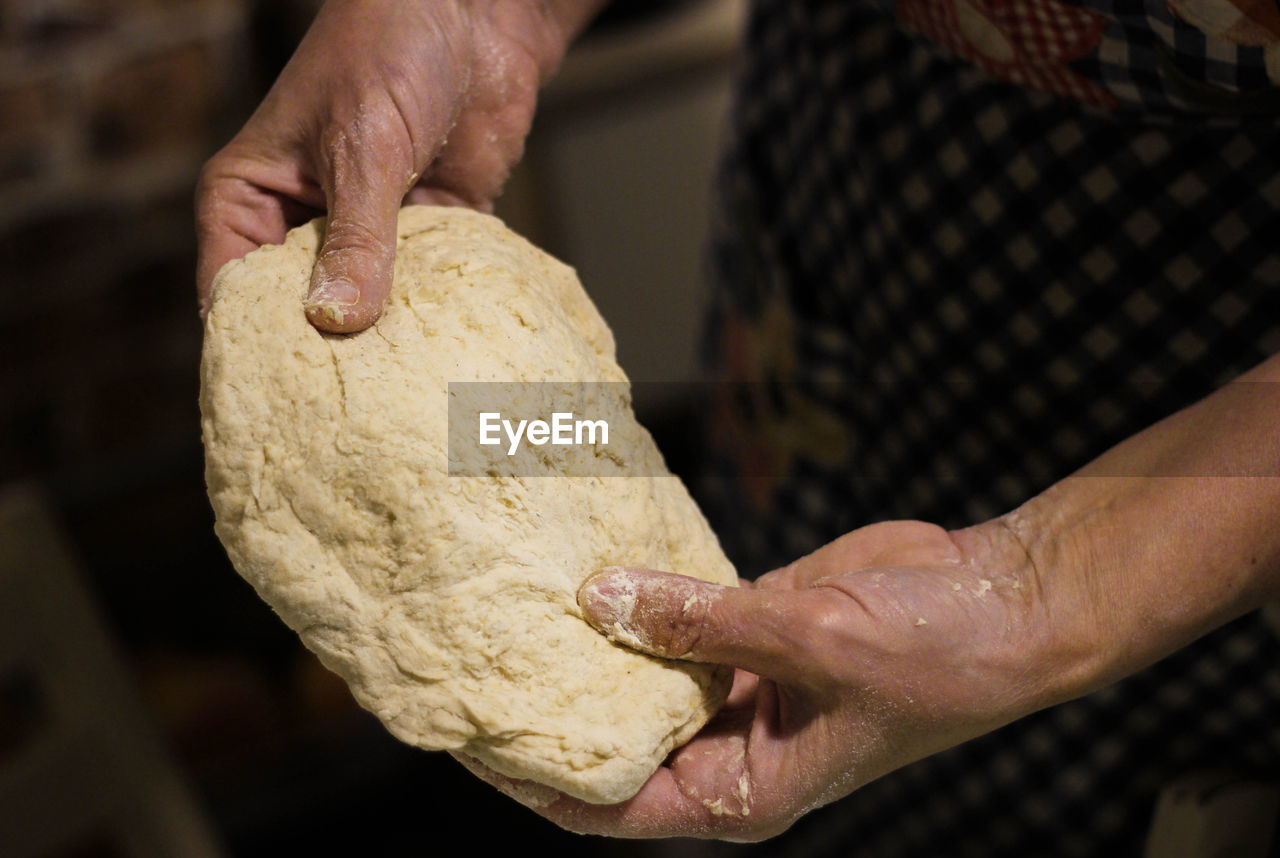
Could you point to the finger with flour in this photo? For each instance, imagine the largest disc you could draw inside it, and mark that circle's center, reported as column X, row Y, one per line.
column 674, row 616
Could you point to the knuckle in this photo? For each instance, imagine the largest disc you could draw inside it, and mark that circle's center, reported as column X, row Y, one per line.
column 677, row 629
column 820, row 634
column 344, row 234
column 828, row 624
column 683, row 633
column 210, row 202
column 364, row 135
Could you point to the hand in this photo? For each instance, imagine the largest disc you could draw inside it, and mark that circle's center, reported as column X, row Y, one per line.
column 901, row 639
column 891, row 643
column 384, row 101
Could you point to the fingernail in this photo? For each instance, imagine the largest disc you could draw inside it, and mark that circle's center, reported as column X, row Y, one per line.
column 330, row 300
column 608, row 598
column 333, row 293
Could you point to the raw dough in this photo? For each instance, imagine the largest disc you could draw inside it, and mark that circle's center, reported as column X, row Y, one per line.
column 448, row 602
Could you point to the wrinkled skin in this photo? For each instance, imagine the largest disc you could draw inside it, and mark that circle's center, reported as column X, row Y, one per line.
column 384, row 102
column 901, row 639
column 889, row 644
column 893, row 642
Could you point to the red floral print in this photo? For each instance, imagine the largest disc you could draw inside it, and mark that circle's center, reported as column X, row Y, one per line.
column 1025, row 42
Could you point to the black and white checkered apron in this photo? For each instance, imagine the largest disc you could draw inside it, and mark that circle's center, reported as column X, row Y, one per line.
column 965, row 246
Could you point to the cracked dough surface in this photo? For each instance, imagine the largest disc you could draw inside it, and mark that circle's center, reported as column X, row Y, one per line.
column 447, row 602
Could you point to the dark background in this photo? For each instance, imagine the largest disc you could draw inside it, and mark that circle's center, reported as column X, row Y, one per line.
column 107, row 110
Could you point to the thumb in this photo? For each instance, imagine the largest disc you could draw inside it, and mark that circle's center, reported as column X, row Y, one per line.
column 765, row 632
column 352, row 274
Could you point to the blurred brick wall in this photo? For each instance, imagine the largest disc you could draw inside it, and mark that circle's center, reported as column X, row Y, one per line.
column 107, row 110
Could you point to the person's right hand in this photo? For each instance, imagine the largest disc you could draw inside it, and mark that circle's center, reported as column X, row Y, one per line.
column 894, row 641
column 385, row 101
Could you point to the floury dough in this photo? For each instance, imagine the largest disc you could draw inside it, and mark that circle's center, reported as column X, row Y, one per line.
column 448, row 603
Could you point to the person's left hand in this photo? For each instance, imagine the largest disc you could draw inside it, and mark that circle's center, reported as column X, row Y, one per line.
column 384, row 103
column 891, row 643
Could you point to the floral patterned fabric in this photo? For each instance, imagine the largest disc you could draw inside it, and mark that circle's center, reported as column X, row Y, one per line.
column 1030, row 43
column 964, row 246
column 1166, row 55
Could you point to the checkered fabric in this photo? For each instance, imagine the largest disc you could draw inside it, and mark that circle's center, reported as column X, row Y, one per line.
column 947, row 285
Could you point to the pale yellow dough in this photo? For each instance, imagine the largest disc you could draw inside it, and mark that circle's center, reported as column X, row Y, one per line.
column 447, row 602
